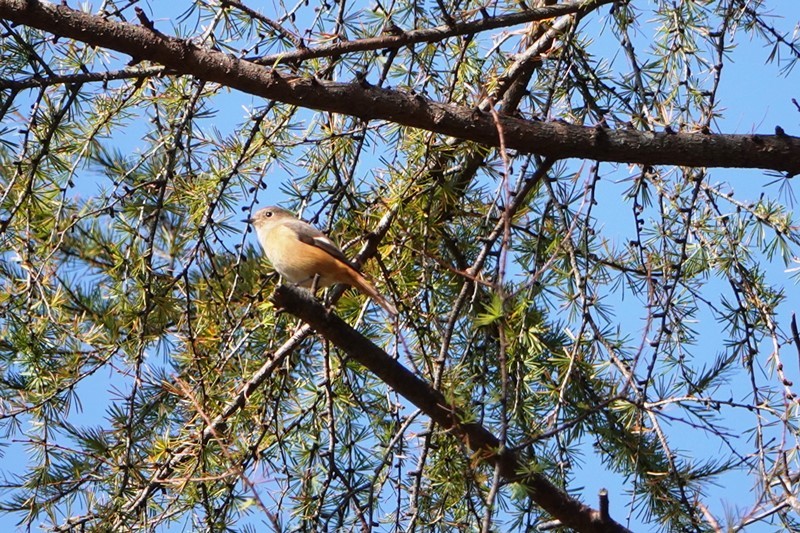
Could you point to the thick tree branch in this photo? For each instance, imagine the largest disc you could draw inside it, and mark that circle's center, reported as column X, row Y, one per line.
column 558, row 140
column 458, row 422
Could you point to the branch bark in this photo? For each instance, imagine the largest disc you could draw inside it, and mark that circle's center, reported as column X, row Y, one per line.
column 778, row 152
column 430, row 35
column 512, row 466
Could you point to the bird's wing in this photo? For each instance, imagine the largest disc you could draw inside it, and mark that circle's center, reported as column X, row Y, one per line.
column 310, row 235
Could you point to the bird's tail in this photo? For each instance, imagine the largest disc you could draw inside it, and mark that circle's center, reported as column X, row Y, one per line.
column 362, row 284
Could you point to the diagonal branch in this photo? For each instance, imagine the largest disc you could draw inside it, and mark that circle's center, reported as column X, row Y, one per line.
column 430, row 35
column 513, row 467
column 779, row 152
column 217, row 426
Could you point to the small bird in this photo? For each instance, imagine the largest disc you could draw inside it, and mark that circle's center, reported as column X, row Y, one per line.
column 303, row 255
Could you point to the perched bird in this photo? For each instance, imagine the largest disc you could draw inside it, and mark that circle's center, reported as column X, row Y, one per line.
column 303, row 255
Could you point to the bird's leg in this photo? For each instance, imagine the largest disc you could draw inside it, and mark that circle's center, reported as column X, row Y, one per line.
column 315, row 284
column 277, row 309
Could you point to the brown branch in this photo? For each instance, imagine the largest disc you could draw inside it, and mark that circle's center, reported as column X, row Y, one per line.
column 551, row 139
column 83, row 77
column 513, row 467
column 430, row 35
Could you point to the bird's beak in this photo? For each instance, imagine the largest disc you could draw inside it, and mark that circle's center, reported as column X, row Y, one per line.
column 248, row 220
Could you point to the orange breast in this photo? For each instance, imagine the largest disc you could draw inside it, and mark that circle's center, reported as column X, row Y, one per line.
column 299, row 262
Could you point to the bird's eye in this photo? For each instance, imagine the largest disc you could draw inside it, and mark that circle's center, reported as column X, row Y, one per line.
column 268, row 214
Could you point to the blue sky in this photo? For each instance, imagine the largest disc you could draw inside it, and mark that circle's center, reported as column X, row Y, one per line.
column 756, row 97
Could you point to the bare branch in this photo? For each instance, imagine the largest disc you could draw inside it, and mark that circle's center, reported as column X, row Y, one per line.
column 84, row 77
column 430, row 35
column 558, row 140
